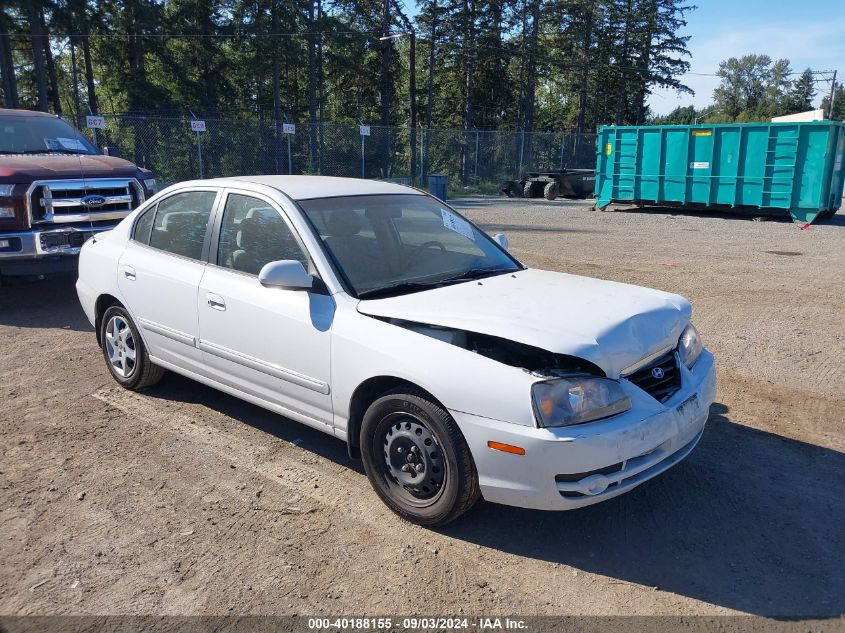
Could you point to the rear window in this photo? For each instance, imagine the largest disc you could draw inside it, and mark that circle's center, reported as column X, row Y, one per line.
column 180, row 223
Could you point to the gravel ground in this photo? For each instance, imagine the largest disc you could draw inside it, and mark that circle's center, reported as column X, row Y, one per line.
column 183, row 500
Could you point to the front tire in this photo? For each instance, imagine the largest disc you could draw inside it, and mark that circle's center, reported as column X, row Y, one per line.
column 124, row 352
column 417, row 459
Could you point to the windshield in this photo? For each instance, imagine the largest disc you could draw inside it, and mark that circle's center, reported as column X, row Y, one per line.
column 41, row 135
column 394, row 244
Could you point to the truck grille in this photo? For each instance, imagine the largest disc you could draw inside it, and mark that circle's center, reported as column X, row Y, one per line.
column 661, row 378
column 89, row 200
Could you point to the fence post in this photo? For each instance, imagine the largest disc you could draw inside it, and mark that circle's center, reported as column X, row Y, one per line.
column 562, row 143
column 290, row 162
column 476, row 157
column 521, row 149
column 362, row 156
column 199, row 154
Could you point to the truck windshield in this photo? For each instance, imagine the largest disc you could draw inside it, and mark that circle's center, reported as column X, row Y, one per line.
column 396, row 244
column 41, row 135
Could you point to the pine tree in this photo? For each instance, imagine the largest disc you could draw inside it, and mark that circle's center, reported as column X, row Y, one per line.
column 803, row 92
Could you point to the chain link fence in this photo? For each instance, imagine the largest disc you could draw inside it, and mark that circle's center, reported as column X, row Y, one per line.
column 473, row 159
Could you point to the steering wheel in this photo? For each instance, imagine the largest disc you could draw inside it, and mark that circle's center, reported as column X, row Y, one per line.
column 413, row 254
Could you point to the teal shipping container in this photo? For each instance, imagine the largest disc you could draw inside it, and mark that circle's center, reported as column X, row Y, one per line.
column 797, row 168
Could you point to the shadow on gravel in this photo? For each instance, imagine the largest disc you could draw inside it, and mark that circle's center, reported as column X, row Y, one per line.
column 474, row 203
column 48, row 303
column 529, row 228
column 751, row 521
column 176, row 388
column 752, row 215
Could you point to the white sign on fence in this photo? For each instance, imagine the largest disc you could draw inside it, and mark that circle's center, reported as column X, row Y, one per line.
column 365, row 130
column 197, row 126
column 289, row 128
column 95, row 122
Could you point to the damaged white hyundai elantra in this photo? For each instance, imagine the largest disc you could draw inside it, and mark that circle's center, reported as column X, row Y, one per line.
column 378, row 314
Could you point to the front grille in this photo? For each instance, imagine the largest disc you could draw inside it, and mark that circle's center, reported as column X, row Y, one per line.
column 61, row 201
column 661, row 387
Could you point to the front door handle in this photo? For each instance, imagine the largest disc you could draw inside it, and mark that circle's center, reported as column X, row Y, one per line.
column 215, row 301
column 129, row 273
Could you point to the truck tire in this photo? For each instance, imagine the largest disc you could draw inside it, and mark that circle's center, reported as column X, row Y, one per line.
column 551, row 190
column 417, row 459
column 125, row 353
column 528, row 190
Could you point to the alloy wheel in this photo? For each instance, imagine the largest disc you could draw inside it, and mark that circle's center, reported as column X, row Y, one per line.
column 120, row 346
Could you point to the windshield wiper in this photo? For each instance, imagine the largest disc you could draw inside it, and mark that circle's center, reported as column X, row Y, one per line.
column 415, row 286
column 477, row 273
column 400, row 288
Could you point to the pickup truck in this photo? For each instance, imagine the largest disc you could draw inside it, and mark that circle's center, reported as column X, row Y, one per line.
column 56, row 191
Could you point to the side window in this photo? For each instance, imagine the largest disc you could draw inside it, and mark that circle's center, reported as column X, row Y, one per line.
column 181, row 221
column 253, row 234
column 144, row 225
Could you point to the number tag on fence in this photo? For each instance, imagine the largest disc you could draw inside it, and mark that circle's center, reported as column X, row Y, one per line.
column 289, row 128
column 95, row 122
column 197, row 126
column 365, row 130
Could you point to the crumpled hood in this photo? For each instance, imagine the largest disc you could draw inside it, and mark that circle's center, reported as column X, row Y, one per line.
column 38, row 166
column 613, row 325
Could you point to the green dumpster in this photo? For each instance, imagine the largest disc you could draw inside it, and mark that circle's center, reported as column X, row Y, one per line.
column 798, row 168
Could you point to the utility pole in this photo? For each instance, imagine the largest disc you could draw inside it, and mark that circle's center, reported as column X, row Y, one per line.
column 412, row 90
column 832, row 96
column 412, row 93
column 430, row 95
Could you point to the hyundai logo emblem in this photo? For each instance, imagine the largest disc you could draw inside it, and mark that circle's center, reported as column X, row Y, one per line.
column 93, row 201
column 658, row 372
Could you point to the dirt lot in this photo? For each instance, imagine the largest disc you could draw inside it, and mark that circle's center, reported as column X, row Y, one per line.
column 186, row 501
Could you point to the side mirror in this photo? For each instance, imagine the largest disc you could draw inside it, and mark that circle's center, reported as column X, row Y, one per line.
column 502, row 240
column 287, row 273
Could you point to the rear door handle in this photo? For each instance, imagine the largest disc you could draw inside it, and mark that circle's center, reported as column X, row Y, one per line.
column 129, row 273
column 215, row 301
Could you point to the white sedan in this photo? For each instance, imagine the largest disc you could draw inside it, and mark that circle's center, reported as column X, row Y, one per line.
column 378, row 314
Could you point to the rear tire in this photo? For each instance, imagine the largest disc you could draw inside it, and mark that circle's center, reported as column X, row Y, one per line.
column 528, row 190
column 125, row 353
column 550, row 191
column 417, row 459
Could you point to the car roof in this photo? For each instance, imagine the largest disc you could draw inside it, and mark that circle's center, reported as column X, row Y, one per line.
column 305, row 187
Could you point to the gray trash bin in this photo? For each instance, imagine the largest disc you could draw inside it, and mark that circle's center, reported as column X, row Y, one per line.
column 438, row 185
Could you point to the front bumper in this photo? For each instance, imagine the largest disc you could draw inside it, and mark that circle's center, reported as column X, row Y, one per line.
column 40, row 251
column 576, row 466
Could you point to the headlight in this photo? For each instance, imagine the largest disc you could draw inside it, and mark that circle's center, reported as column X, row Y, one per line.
column 577, row 400
column 689, row 346
column 150, row 185
column 6, row 190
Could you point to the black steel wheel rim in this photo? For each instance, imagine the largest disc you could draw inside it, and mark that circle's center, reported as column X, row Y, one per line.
column 414, row 466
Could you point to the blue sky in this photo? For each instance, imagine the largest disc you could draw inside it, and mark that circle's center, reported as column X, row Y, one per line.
column 807, row 32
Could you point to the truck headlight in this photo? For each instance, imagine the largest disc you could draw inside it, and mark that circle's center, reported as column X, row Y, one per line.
column 689, row 346
column 578, row 399
column 6, row 210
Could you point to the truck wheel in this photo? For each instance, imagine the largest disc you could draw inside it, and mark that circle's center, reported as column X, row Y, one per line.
column 550, row 191
column 417, row 459
column 124, row 351
column 528, row 190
